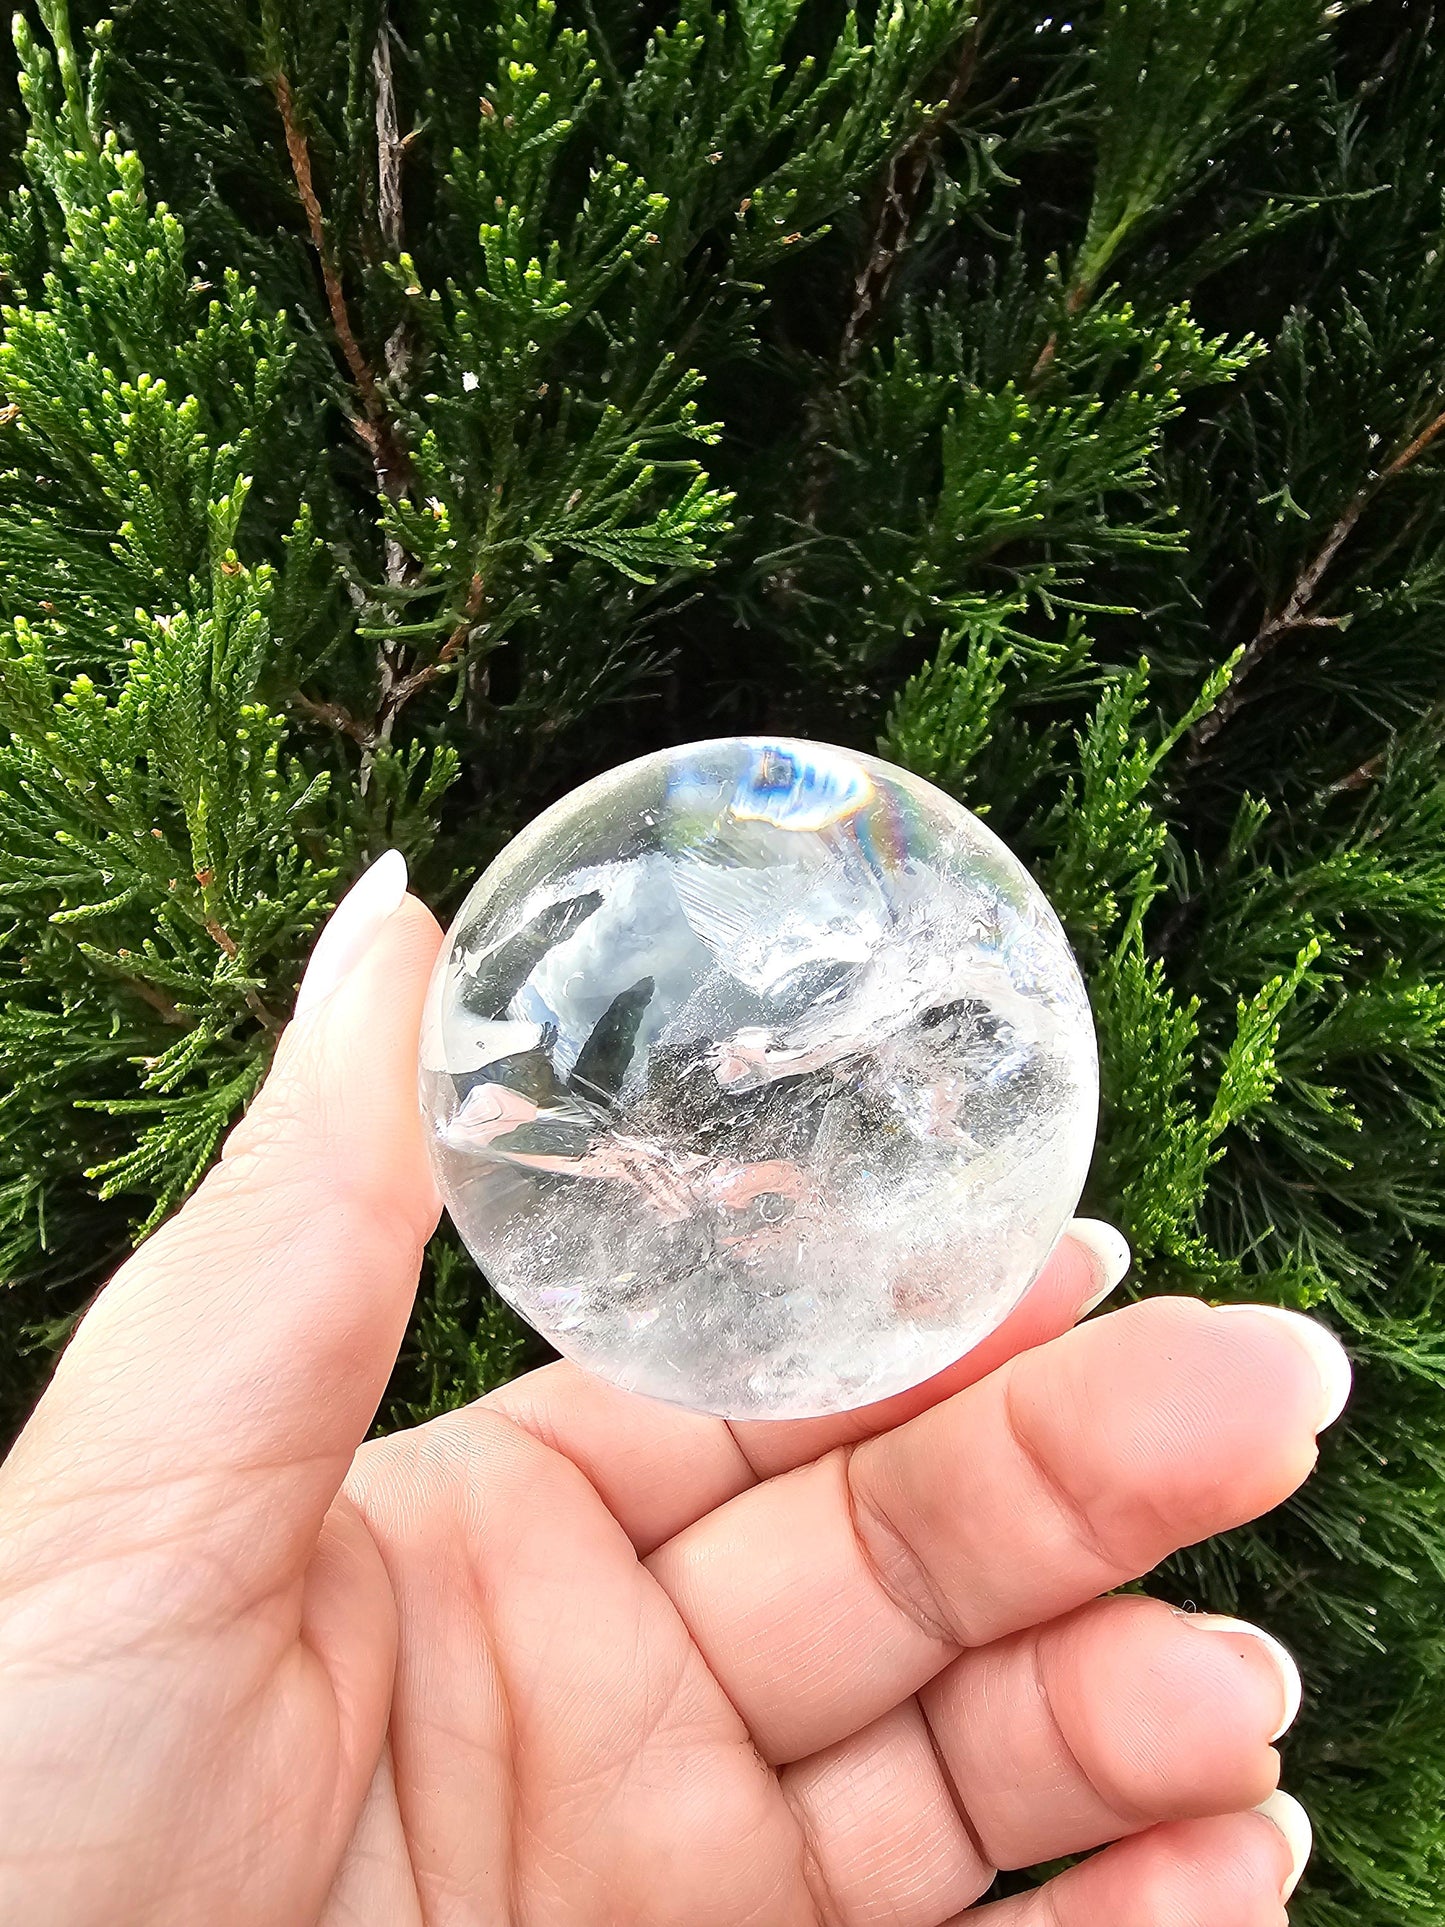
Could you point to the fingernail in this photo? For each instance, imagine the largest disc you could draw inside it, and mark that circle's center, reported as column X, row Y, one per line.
column 1286, row 1813
column 1329, row 1357
column 1109, row 1254
column 1281, row 1657
column 352, row 928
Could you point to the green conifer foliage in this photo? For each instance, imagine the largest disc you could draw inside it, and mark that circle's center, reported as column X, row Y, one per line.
column 408, row 407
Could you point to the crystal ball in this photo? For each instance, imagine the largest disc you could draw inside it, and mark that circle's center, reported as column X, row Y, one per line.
column 759, row 1077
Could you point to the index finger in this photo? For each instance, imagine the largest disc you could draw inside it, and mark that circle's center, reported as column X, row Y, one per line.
column 215, row 1394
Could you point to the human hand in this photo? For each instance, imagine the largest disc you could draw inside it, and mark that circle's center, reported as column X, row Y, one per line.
column 571, row 1658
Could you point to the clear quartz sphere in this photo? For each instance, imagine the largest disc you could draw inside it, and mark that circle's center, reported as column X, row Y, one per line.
column 759, row 1076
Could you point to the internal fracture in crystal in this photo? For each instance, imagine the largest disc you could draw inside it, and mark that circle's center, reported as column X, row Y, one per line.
column 759, row 1077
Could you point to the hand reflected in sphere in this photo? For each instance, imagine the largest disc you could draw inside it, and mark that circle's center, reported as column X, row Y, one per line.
column 570, row 1658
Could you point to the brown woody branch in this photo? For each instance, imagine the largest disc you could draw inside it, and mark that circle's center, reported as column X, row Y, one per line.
column 1297, row 612
column 399, row 691
column 335, row 716
column 390, row 147
column 167, row 1011
column 393, row 675
column 898, row 205
column 406, row 686
column 390, row 154
column 377, row 429
column 157, row 999
column 265, row 1017
column 1079, row 297
column 1360, row 777
column 398, row 681
column 225, row 942
column 220, row 936
column 892, row 232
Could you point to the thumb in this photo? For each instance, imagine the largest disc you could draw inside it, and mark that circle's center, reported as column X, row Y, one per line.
column 221, row 1383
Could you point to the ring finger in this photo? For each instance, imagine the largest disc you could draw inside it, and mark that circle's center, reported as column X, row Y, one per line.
column 1049, row 1742
column 1234, row 1871
column 823, row 1598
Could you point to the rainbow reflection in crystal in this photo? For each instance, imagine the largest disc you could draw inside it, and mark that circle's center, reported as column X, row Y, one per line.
column 759, row 1077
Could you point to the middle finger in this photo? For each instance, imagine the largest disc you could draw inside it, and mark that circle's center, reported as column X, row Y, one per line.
column 825, row 1597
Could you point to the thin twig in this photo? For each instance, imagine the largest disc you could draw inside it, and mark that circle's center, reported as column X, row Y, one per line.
column 1079, row 298
column 397, row 680
column 1413, row 450
column 397, row 683
column 225, row 942
column 392, row 672
column 888, row 243
column 334, row 716
column 1297, row 613
column 391, row 150
column 148, row 994
column 220, row 936
column 265, row 1017
column 898, row 205
column 377, row 429
column 1359, row 778
column 409, row 685
column 157, row 999
column 388, row 144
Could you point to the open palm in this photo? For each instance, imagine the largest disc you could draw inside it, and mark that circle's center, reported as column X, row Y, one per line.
column 570, row 1658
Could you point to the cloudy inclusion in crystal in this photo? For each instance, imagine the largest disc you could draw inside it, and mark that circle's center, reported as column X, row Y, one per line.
column 759, row 1077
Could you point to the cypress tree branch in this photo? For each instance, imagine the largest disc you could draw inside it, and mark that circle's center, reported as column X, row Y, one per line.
column 226, row 943
column 377, row 430
column 1296, row 611
column 1265, row 952
column 57, row 21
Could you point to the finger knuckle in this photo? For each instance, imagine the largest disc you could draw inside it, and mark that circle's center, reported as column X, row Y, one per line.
column 892, row 1562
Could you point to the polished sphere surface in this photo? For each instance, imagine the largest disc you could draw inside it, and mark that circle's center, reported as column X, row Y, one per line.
column 759, row 1077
